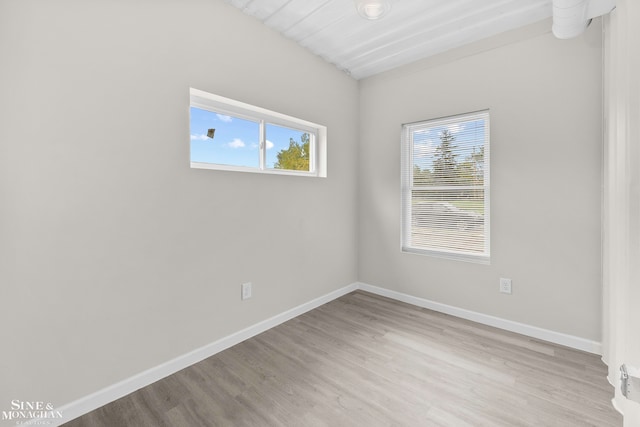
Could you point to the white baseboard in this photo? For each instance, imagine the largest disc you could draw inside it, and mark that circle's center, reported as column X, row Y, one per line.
column 109, row 394
column 508, row 325
column 116, row 391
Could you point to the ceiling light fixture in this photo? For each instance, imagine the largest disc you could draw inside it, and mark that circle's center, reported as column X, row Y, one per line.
column 372, row 9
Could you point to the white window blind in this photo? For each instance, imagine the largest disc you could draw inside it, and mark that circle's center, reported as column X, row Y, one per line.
column 445, row 187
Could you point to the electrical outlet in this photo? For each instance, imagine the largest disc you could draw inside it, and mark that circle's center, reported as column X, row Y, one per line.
column 246, row 290
column 505, row 286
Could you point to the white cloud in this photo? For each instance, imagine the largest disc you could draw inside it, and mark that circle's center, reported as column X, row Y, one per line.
column 424, row 149
column 269, row 145
column 236, row 143
column 455, row 128
column 224, row 118
column 201, row 137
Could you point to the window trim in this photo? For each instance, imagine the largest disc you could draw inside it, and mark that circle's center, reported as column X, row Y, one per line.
column 219, row 104
column 407, row 147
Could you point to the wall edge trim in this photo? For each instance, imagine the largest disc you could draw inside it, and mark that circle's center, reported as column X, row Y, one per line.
column 560, row 338
column 127, row 386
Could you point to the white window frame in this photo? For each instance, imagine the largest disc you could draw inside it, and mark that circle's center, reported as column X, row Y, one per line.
column 407, row 188
column 317, row 134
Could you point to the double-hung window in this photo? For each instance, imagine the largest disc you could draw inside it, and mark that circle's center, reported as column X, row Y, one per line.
column 231, row 135
column 445, row 187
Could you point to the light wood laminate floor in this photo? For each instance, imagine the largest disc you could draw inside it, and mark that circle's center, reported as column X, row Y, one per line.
column 365, row 360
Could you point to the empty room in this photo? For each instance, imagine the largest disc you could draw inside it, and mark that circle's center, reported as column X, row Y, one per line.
column 320, row 213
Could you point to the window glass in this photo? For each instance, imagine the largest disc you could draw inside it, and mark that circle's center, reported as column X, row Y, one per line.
column 288, row 148
column 230, row 135
column 223, row 139
column 445, row 181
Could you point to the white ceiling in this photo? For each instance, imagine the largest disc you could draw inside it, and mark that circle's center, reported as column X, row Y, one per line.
column 412, row 30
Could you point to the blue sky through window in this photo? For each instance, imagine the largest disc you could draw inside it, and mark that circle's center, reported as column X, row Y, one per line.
column 468, row 135
column 236, row 141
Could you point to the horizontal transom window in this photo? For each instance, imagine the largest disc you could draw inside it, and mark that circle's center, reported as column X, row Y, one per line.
column 231, row 135
column 445, row 187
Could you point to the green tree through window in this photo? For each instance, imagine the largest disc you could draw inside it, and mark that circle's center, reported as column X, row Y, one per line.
column 445, row 163
column 296, row 157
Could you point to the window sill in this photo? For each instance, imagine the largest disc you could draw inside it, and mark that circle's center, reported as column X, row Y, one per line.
column 211, row 166
column 451, row 255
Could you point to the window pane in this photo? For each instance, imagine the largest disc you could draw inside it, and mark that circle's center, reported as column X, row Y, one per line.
column 287, row 148
column 451, row 154
column 233, row 141
column 448, row 219
column 445, row 179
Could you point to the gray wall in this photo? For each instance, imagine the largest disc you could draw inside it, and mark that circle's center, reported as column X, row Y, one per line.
column 115, row 256
column 544, row 97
